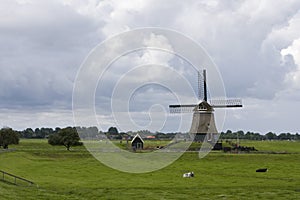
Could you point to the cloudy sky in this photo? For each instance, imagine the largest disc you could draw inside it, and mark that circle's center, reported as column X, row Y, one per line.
column 255, row 44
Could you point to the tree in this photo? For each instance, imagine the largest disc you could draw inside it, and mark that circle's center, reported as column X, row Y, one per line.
column 240, row 134
column 67, row 137
column 283, row 136
column 88, row 133
column 271, row 136
column 28, row 133
column 113, row 131
column 7, row 137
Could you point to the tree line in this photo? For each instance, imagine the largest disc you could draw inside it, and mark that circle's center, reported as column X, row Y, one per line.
column 257, row 136
column 69, row 136
column 113, row 133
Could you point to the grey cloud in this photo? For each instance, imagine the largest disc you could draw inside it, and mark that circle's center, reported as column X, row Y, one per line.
column 43, row 43
column 41, row 47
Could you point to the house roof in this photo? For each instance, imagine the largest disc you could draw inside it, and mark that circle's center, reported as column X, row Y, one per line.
column 150, row 137
column 137, row 135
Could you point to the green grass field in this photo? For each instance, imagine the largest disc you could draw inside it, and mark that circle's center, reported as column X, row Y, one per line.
column 60, row 174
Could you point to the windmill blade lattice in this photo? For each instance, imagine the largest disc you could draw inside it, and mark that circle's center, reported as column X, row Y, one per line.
column 200, row 87
column 182, row 108
column 226, row 103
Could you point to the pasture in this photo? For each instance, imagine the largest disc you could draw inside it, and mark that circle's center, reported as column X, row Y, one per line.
column 60, row 174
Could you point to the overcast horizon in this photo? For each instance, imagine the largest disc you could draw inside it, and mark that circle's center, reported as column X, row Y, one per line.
column 255, row 45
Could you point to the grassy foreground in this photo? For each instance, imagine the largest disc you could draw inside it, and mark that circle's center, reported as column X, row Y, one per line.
column 77, row 175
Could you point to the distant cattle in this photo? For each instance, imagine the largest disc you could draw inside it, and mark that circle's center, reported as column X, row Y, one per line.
column 244, row 148
column 262, row 170
column 218, row 146
column 188, row 175
column 226, row 149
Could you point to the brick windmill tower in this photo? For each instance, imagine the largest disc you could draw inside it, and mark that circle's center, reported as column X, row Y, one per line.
column 203, row 126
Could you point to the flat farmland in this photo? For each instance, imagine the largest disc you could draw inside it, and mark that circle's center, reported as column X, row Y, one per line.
column 75, row 174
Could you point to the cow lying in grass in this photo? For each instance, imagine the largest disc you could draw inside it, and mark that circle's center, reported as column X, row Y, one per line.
column 262, row 170
column 188, row 175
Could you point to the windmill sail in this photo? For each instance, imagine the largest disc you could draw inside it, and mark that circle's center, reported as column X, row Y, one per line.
column 202, row 87
column 182, row 108
column 226, row 103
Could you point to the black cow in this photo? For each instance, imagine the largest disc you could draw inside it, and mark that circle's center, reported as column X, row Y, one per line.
column 262, row 170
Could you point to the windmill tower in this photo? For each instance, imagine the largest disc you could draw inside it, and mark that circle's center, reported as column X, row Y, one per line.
column 203, row 124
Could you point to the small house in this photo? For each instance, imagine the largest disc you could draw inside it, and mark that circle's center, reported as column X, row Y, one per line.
column 137, row 142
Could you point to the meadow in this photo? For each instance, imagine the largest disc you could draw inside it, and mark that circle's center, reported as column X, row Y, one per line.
column 75, row 174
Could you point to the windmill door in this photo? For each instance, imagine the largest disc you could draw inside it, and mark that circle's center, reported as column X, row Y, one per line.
column 209, row 136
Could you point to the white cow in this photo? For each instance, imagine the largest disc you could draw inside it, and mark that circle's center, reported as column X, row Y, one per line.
column 188, row 175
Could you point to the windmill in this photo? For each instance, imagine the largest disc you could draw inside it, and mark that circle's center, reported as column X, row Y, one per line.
column 203, row 125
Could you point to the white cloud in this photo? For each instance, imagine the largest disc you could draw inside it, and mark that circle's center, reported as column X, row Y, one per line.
column 156, row 56
column 293, row 78
column 294, row 50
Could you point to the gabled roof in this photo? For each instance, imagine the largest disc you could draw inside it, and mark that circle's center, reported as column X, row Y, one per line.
column 203, row 106
column 137, row 135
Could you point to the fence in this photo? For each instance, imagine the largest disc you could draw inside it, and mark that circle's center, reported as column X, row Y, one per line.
column 7, row 177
